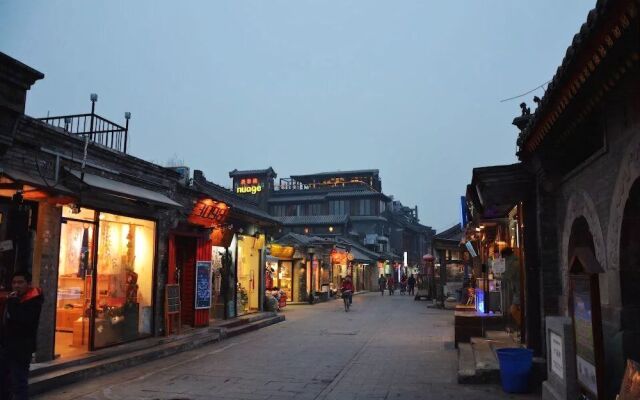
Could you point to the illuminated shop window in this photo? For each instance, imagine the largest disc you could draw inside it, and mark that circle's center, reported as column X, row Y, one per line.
column 125, row 279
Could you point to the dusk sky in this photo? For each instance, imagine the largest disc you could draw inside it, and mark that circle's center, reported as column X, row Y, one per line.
column 412, row 88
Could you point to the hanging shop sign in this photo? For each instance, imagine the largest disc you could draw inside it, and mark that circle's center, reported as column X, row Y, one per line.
column 249, row 186
column 209, row 213
column 203, row 285
column 280, row 251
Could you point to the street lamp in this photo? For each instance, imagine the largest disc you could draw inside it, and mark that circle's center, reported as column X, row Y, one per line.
column 311, row 251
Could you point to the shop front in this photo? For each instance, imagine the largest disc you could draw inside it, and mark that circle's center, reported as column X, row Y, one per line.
column 105, row 280
column 29, row 235
column 341, row 267
column 249, row 260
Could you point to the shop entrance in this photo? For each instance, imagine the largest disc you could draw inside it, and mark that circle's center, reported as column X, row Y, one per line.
column 630, row 274
column 105, row 272
column 248, row 283
column 17, row 232
column 185, row 266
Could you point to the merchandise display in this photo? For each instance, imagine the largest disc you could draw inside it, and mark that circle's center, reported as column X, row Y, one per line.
column 124, row 251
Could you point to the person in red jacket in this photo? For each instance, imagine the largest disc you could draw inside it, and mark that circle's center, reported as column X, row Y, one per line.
column 18, row 329
column 391, row 284
column 347, row 288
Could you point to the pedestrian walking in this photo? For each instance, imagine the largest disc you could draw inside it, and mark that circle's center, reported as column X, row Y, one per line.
column 412, row 284
column 382, row 283
column 18, row 328
column 391, row 284
column 403, row 284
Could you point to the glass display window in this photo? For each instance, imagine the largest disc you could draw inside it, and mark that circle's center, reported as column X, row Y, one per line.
column 119, row 287
column 248, row 275
column 75, row 272
column 124, row 286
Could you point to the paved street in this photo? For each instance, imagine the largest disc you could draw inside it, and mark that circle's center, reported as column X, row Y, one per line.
column 385, row 348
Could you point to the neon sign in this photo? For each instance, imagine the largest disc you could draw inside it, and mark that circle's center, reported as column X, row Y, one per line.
column 209, row 213
column 249, row 185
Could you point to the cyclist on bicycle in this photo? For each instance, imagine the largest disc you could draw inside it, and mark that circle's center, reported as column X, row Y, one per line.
column 347, row 289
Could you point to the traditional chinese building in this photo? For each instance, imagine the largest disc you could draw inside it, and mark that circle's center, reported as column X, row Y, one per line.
column 582, row 145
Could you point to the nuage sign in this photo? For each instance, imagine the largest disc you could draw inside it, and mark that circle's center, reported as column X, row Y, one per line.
column 249, row 186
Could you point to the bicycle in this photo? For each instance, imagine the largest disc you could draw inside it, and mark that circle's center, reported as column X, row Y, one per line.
column 346, row 298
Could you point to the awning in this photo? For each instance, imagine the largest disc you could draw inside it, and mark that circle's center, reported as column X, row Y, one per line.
column 499, row 188
column 36, row 181
column 121, row 189
column 361, row 257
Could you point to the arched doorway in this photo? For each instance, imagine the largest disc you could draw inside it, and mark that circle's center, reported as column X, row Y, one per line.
column 585, row 310
column 630, row 273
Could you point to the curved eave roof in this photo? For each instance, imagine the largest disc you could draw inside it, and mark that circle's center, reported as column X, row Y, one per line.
column 605, row 25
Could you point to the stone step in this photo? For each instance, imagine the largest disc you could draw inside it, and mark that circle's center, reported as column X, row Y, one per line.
column 74, row 373
column 261, row 323
column 127, row 348
column 478, row 361
column 51, row 377
column 497, row 335
column 485, row 357
column 466, row 364
column 246, row 319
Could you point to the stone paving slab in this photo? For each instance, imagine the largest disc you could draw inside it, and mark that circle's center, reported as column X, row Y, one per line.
column 386, row 347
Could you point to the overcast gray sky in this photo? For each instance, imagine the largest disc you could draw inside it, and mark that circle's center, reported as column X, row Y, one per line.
column 409, row 87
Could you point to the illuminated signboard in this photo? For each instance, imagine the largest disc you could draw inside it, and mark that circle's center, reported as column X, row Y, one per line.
column 209, row 213
column 249, row 186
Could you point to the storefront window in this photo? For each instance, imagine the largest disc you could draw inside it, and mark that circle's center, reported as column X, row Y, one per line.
column 124, row 279
column 219, row 257
column 248, row 275
column 75, row 271
column 300, row 281
column 278, row 275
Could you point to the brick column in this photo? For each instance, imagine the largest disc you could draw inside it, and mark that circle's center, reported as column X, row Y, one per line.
column 550, row 289
column 45, row 274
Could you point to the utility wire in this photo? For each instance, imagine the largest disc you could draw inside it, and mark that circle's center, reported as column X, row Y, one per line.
column 524, row 94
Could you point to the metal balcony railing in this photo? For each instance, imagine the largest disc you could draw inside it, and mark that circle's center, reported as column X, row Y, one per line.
column 98, row 129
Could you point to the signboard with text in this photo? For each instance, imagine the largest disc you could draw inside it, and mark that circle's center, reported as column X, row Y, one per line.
column 249, row 186
column 557, row 354
column 203, row 285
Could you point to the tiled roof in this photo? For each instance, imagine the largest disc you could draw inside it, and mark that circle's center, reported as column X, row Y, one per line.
column 453, row 233
column 360, row 252
column 367, row 218
column 236, row 202
column 248, row 172
column 304, row 240
column 314, row 220
column 293, row 199
column 585, row 42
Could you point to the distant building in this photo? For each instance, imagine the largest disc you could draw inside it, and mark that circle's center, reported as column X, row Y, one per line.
column 345, row 205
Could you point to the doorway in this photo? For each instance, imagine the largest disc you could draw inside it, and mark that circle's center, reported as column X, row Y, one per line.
column 75, row 271
column 105, row 281
column 186, row 265
column 630, row 274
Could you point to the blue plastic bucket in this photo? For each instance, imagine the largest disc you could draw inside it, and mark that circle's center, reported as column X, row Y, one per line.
column 515, row 369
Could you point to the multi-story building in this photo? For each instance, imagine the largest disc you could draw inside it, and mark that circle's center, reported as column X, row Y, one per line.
column 346, row 205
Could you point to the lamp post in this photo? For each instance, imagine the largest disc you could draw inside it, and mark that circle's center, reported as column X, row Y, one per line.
column 311, row 251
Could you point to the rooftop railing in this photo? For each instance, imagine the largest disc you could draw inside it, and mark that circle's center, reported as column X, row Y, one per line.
column 94, row 127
